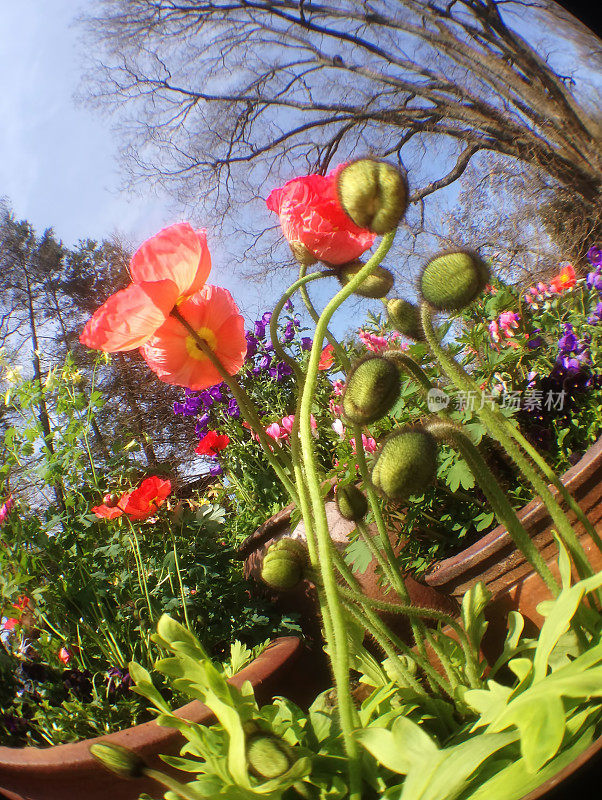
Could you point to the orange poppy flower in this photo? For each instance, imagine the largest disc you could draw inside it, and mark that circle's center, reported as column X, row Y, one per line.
column 173, row 354
column 327, row 357
column 170, row 266
column 566, row 279
column 144, row 501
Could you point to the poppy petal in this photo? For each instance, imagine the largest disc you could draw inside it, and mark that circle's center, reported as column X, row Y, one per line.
column 130, row 316
column 178, row 253
column 172, row 354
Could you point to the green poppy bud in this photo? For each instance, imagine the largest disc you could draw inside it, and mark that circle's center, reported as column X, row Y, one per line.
column 451, row 281
column 405, row 318
column 302, row 254
column 406, row 464
column 118, row 759
column 284, row 563
column 373, row 193
column 351, row 502
column 372, row 388
column 376, row 285
column 268, row 756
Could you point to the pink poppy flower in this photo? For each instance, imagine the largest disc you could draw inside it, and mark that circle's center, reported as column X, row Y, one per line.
column 170, row 266
column 311, row 216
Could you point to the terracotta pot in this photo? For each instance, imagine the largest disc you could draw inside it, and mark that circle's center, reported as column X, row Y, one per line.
column 68, row 771
column 303, row 600
column 503, row 569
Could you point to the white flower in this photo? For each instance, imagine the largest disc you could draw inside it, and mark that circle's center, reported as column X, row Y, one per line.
column 339, row 428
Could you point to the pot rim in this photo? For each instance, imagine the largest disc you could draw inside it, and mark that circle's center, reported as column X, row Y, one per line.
column 147, row 736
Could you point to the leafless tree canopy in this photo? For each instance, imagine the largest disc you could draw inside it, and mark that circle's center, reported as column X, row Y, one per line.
column 232, row 93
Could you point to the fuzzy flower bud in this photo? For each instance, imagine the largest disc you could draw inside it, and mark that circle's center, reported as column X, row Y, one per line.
column 376, row 285
column 302, row 254
column 406, row 463
column 451, row 281
column 373, row 193
column 118, row 759
column 351, row 502
column 405, row 318
column 372, row 388
column 268, row 756
column 284, row 564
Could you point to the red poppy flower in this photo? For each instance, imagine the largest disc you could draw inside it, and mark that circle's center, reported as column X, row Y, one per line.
column 170, row 266
column 212, row 443
column 22, row 603
column 311, row 216
column 327, row 357
column 173, row 354
column 566, row 279
column 144, row 501
column 107, row 512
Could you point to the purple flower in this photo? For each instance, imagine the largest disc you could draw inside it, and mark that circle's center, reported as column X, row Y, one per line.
column 288, row 306
column 534, row 340
column 216, row 392
column 216, row 469
column 266, row 317
column 119, row 682
column 251, row 344
column 178, row 408
column 281, row 371
column 594, row 279
column 259, row 329
column 206, row 399
column 257, row 370
column 192, row 406
column 233, row 410
column 568, row 342
column 306, row 343
column 265, row 362
column 594, row 256
column 289, row 333
column 201, row 426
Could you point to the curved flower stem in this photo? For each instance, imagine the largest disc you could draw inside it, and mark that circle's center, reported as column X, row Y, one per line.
column 278, row 349
column 341, row 354
column 338, row 644
column 471, row 658
column 498, row 430
column 179, row 574
column 180, row 790
column 450, row 433
column 140, row 568
column 246, row 406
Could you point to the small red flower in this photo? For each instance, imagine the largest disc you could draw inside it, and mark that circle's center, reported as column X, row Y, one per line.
column 311, row 215
column 327, row 357
column 22, row 603
column 10, row 624
column 64, row 655
column 566, row 279
column 212, row 443
column 144, row 501
column 107, row 512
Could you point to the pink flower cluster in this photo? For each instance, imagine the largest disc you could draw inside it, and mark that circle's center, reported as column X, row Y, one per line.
column 5, row 508
column 368, row 442
column 378, row 343
column 283, row 429
column 566, row 279
column 502, row 329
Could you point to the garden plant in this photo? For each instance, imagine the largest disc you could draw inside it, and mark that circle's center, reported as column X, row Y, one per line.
column 433, row 719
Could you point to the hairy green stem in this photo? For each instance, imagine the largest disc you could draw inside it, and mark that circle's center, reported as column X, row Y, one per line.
column 499, row 432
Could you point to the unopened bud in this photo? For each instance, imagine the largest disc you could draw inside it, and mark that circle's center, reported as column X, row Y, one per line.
column 118, row 759
column 451, row 281
column 373, row 193
column 351, row 502
column 405, row 318
column 304, row 256
column 284, row 564
column 372, row 388
column 376, row 285
column 406, row 464
column 268, row 756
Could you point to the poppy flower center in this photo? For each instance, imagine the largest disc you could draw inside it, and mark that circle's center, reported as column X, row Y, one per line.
column 192, row 347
